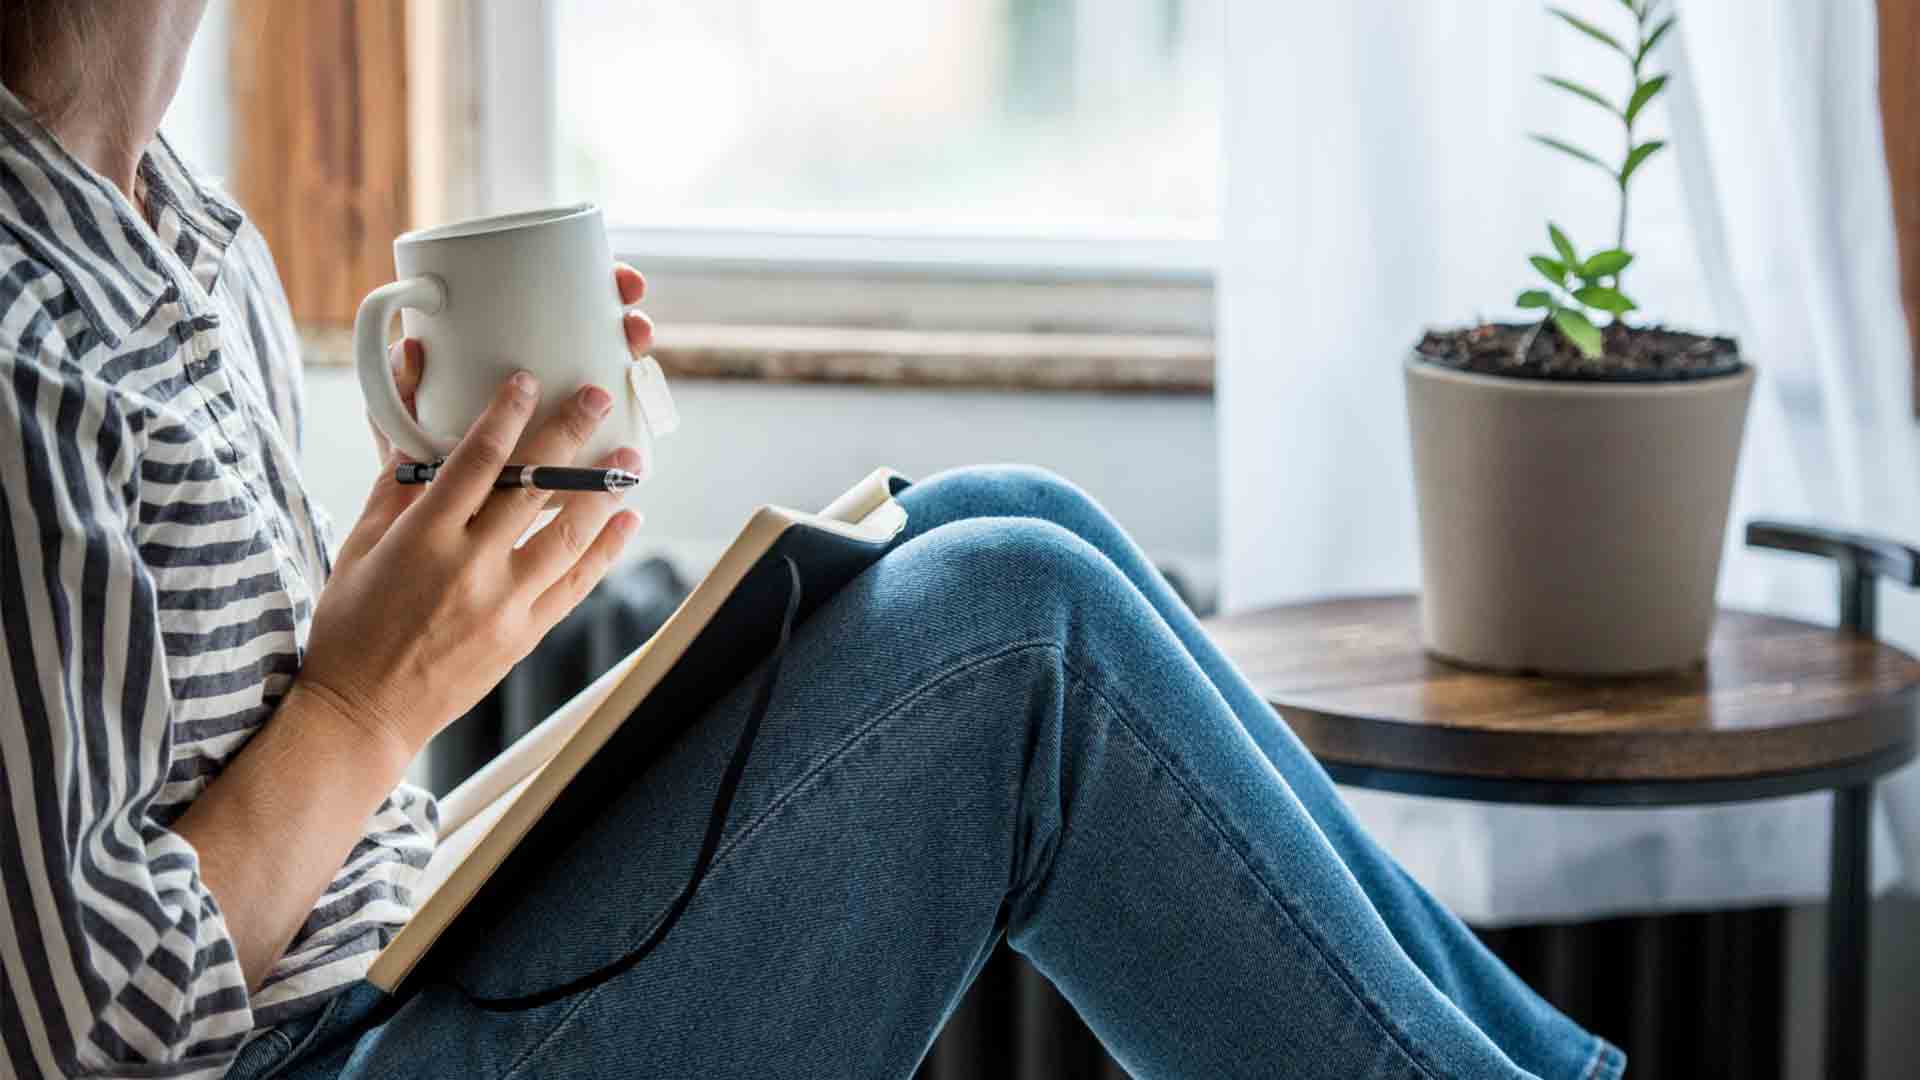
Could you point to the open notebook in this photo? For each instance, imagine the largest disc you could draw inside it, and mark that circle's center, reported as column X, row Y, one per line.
column 530, row 801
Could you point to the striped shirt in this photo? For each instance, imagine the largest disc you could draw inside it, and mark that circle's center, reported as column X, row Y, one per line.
column 159, row 563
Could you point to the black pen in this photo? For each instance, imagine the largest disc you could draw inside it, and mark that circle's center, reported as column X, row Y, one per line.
column 534, row 477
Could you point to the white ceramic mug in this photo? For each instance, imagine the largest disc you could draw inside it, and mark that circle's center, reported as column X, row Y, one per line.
column 492, row 296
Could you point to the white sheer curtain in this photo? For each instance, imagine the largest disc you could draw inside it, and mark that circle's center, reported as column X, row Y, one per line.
column 1379, row 180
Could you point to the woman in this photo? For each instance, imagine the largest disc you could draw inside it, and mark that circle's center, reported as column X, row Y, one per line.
column 1009, row 726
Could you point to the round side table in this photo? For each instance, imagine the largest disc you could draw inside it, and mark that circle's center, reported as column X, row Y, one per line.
column 1780, row 708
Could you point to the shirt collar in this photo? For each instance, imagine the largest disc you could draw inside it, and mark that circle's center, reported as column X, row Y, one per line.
column 118, row 267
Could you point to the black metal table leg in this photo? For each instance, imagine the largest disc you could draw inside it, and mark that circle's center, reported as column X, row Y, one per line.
column 1849, row 900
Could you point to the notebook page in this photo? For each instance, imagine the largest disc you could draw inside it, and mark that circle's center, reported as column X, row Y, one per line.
column 457, row 845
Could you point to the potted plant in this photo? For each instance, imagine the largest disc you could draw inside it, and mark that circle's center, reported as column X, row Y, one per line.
column 1572, row 474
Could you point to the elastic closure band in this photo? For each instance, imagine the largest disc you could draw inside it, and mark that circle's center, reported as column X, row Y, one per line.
column 716, row 825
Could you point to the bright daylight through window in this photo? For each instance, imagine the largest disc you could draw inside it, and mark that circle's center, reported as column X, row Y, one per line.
column 1025, row 118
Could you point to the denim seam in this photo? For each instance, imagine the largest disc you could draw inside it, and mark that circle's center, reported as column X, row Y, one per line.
column 906, row 700
column 1227, row 839
column 1602, row 1065
column 277, row 1041
column 753, row 825
column 859, row 735
column 295, row 1049
column 1022, row 890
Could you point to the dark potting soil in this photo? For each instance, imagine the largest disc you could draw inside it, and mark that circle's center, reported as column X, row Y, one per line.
column 1633, row 354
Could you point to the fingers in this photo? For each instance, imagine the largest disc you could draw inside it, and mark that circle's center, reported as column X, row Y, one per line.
column 462, row 485
column 385, row 503
column 557, row 441
column 407, row 358
column 633, row 287
column 577, row 580
column 389, row 498
column 548, row 553
column 639, row 330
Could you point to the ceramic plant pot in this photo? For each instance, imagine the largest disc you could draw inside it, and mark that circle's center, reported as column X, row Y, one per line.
column 1572, row 527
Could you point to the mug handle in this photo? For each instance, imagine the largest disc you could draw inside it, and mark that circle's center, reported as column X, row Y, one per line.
column 423, row 294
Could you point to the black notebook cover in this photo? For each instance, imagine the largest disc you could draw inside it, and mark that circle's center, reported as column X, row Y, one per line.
column 723, row 655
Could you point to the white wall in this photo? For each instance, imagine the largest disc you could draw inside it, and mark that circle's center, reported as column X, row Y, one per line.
column 197, row 121
column 1893, row 1040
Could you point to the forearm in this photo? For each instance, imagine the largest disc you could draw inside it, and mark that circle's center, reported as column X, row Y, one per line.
column 431, row 601
column 278, row 823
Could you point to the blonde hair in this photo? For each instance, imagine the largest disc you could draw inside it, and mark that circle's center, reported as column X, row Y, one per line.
column 35, row 34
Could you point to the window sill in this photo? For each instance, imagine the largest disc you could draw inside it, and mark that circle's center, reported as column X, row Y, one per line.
column 1173, row 364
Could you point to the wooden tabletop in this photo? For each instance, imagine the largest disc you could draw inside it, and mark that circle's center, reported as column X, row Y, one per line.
column 1774, row 696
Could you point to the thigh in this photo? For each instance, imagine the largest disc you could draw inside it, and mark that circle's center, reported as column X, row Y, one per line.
column 858, row 886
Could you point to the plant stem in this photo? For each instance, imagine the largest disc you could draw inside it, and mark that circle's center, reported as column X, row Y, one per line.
column 1633, row 83
column 1639, row 45
column 1620, row 240
column 1526, row 343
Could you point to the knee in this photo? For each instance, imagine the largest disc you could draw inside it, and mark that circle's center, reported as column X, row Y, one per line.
column 1016, row 491
column 1024, row 567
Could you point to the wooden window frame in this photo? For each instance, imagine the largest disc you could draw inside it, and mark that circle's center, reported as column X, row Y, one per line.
column 321, row 157
column 1900, row 128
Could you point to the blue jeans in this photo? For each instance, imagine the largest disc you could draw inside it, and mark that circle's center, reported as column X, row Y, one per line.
column 1008, row 726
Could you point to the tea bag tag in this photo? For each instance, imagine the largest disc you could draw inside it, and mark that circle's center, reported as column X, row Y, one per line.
column 649, row 385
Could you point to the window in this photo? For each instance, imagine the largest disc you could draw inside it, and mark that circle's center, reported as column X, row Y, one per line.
column 984, row 116
column 1014, row 165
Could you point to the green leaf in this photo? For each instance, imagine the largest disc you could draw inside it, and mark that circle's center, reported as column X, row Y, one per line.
column 1605, row 263
column 1591, row 31
column 1562, row 245
column 1638, row 155
column 1653, row 38
column 1604, row 298
column 1552, row 271
column 1569, row 148
column 1584, row 335
column 1644, row 93
column 1577, row 90
column 1535, row 298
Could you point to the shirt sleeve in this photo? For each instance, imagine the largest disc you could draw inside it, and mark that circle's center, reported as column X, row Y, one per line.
column 116, row 957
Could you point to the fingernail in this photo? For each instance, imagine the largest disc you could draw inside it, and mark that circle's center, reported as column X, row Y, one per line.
column 596, row 400
column 524, row 383
column 627, row 458
column 626, row 522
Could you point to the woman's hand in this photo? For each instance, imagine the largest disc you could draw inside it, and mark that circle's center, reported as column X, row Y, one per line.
column 430, row 603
